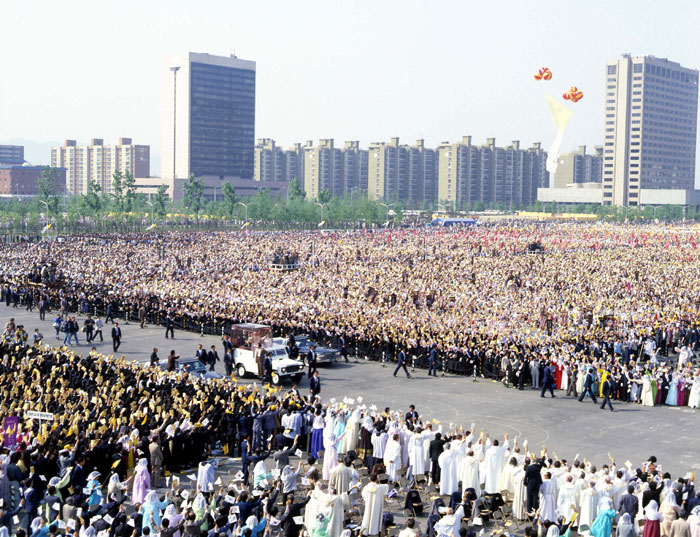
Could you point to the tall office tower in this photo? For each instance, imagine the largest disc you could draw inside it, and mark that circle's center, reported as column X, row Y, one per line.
column 98, row 162
column 270, row 161
column 12, row 154
column 208, row 118
column 651, row 107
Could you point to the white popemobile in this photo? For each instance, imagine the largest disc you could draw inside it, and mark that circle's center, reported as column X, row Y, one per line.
column 248, row 338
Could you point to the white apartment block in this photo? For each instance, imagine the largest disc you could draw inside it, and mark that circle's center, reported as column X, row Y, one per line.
column 98, row 162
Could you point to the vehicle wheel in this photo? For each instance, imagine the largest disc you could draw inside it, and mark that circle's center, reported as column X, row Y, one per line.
column 297, row 378
column 240, row 371
column 275, row 379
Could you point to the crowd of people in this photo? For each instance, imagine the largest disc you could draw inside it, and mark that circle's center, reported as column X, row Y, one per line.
column 127, row 449
column 620, row 299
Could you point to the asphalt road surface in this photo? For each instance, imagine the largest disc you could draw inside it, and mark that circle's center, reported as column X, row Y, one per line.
column 564, row 425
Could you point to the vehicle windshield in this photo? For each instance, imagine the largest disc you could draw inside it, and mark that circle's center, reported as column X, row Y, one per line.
column 193, row 365
column 278, row 353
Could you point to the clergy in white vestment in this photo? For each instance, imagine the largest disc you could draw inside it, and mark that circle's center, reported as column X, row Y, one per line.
column 448, row 471
column 342, row 476
column 494, row 459
column 448, row 526
column 519, row 496
column 373, row 496
column 205, row 477
column 392, row 457
column 567, row 498
column 468, row 473
column 588, row 500
column 416, row 453
column 548, row 499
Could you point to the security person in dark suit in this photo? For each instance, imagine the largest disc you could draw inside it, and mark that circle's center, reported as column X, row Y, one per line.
column 315, row 385
column 588, row 387
column 311, row 358
column 532, row 482
column 435, row 449
column 402, row 363
column 116, row 337
column 548, row 380
column 432, row 362
column 607, row 390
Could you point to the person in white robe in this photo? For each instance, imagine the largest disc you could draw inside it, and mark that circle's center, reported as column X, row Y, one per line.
column 505, row 479
column 548, row 499
column 448, row 525
column 416, row 453
column 448, row 471
column 468, row 473
column 589, row 509
column 343, row 476
column 494, row 459
column 373, row 497
column 205, row 477
column 647, row 392
column 392, row 457
column 567, row 498
column 330, row 457
column 519, row 495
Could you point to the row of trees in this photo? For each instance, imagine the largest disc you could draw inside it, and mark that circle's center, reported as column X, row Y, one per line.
column 123, row 204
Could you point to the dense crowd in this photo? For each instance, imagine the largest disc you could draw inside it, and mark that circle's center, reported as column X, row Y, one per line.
column 119, row 431
column 620, row 299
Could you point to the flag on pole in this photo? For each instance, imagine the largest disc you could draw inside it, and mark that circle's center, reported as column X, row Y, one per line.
column 46, row 228
column 245, row 225
column 320, row 224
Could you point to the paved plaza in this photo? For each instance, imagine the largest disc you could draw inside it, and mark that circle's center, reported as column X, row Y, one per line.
column 565, row 426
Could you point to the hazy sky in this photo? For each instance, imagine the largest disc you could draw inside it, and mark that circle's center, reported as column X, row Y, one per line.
column 346, row 70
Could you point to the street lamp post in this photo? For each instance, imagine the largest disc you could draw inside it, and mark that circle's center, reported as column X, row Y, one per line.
column 152, row 209
column 322, row 207
column 388, row 206
column 174, row 69
column 246, row 209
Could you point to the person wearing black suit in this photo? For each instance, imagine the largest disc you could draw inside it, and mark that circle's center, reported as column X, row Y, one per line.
column 77, row 478
column 432, row 362
column 267, row 368
column 116, row 337
column 588, row 387
column 548, row 380
column 607, row 390
column 629, row 503
column 315, row 385
column 532, row 482
column 311, row 358
column 212, row 357
column 436, row 448
column 169, row 326
column 402, row 363
column 411, row 416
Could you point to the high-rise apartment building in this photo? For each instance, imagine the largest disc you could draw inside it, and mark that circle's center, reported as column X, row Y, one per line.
column 355, row 162
column 650, row 128
column 579, row 167
column 387, row 177
column 270, row 161
column 294, row 162
column 509, row 176
column 208, row 118
column 12, row 154
column 422, row 170
column 98, row 162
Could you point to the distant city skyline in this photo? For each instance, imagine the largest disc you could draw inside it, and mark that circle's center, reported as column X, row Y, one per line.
column 402, row 69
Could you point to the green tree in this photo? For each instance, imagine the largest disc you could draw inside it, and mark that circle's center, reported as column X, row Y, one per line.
column 160, row 200
column 129, row 187
column 295, row 192
column 230, row 199
column 324, row 196
column 46, row 185
column 118, row 190
column 194, row 193
column 92, row 202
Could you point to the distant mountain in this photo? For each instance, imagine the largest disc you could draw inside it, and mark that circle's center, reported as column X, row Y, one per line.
column 39, row 153
column 35, row 152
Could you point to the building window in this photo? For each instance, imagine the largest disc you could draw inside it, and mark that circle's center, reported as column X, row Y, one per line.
column 612, row 69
